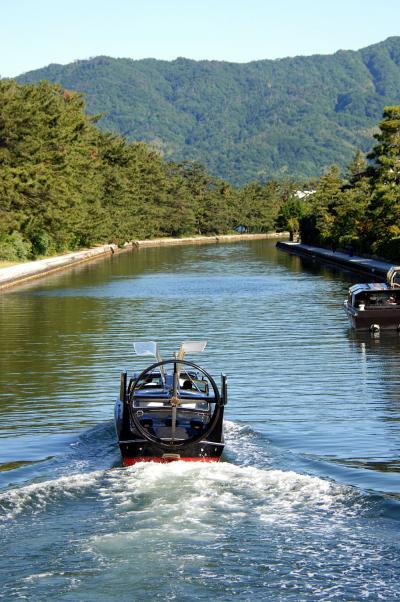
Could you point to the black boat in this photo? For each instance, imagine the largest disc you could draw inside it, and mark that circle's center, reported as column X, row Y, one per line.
column 171, row 410
column 375, row 306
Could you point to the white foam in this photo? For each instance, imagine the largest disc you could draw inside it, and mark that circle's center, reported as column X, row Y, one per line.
column 184, row 491
column 242, row 445
column 38, row 495
column 37, row 576
column 194, row 494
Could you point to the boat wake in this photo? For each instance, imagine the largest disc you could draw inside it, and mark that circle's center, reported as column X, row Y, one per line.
column 241, row 477
column 192, row 522
column 37, row 496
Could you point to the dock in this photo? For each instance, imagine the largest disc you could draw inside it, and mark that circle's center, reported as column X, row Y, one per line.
column 345, row 261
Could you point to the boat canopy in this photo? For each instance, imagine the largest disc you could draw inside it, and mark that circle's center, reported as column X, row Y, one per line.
column 372, row 287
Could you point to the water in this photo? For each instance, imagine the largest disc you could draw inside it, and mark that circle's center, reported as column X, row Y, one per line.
column 305, row 505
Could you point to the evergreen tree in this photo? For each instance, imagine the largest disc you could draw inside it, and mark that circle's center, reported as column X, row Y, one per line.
column 293, row 210
column 384, row 210
column 350, row 220
column 258, row 206
column 318, row 226
column 65, row 184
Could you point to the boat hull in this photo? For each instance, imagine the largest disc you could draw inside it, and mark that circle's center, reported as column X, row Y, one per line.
column 386, row 318
column 161, row 460
column 135, row 448
column 144, row 451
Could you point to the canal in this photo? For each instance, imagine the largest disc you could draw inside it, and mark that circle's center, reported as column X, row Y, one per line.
column 305, row 505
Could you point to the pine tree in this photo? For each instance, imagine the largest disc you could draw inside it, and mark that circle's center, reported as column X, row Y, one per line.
column 318, row 227
column 384, row 209
column 350, row 219
column 293, row 210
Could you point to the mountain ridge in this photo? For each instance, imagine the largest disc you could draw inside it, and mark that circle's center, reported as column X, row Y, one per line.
column 222, row 61
column 287, row 117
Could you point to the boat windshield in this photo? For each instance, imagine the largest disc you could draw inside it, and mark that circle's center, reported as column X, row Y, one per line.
column 155, row 390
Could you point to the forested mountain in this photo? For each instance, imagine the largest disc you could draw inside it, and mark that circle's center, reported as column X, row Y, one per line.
column 290, row 117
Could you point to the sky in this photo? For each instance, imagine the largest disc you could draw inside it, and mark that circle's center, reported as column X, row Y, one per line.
column 35, row 33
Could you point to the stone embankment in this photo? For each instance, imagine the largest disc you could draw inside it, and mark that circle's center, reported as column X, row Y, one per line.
column 345, row 261
column 200, row 240
column 22, row 272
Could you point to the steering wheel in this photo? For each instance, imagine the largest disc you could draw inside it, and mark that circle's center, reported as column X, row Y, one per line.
column 175, row 400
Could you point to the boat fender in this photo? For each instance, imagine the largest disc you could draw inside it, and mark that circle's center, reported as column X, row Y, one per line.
column 374, row 328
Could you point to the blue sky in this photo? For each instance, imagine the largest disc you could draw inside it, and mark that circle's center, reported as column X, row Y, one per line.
column 35, row 33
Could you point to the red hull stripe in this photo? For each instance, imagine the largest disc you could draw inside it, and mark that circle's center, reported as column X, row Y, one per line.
column 160, row 460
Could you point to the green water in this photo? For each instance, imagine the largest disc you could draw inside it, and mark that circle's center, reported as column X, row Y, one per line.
column 304, row 506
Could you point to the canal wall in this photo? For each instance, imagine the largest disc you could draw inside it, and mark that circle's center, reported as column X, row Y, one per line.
column 22, row 272
column 201, row 240
column 364, row 266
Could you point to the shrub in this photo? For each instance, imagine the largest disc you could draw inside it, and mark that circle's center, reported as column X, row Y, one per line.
column 389, row 249
column 42, row 244
column 13, row 247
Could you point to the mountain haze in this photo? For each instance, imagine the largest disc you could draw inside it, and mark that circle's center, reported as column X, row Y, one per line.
column 272, row 118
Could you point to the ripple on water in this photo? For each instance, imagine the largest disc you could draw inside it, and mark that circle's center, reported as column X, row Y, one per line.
column 306, row 392
column 217, row 530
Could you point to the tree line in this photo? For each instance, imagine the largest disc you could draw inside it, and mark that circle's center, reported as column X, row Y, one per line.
column 360, row 210
column 65, row 184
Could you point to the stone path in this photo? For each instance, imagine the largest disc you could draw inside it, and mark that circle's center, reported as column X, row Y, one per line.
column 354, row 263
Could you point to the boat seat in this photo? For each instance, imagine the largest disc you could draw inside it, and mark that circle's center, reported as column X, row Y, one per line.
column 148, row 424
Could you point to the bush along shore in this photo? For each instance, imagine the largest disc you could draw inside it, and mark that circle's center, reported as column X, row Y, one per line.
column 66, row 185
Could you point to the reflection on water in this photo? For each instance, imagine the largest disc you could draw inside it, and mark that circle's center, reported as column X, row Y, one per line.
column 293, row 513
column 297, row 374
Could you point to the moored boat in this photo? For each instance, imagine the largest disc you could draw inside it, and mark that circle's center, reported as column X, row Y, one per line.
column 171, row 410
column 375, row 306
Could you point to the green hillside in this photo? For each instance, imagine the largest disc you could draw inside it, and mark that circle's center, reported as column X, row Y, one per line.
column 288, row 117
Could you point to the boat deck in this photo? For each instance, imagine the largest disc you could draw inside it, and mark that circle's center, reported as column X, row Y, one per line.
column 188, row 424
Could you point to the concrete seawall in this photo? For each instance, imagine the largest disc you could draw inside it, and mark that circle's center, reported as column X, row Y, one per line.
column 22, row 272
column 353, row 263
column 200, row 240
